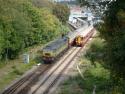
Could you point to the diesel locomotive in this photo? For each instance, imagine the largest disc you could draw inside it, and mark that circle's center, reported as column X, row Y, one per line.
column 54, row 50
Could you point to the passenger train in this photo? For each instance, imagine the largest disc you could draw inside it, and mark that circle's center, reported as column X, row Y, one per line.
column 77, row 38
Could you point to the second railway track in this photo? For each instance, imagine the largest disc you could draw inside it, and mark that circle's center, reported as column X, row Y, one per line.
column 44, row 77
column 54, row 74
column 24, row 84
column 18, row 85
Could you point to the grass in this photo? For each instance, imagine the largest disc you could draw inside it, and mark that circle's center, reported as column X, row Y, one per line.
column 97, row 76
column 2, row 65
column 13, row 71
column 94, row 76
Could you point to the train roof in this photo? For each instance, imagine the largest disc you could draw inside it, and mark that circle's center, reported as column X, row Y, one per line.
column 56, row 44
column 72, row 35
column 79, row 32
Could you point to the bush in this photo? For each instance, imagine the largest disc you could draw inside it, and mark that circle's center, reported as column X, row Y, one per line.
column 23, row 25
column 61, row 12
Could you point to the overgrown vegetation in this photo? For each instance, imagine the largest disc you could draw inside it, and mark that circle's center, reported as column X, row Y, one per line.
column 96, row 51
column 25, row 26
column 11, row 71
column 113, row 32
column 83, row 3
column 62, row 12
column 99, row 52
column 97, row 77
column 22, row 25
column 43, row 3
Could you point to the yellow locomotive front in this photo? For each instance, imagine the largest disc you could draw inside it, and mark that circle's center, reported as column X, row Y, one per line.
column 79, row 41
column 47, row 55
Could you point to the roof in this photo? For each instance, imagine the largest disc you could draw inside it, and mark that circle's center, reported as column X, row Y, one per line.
column 56, row 44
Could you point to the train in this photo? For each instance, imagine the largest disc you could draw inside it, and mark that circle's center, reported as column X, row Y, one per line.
column 52, row 51
column 80, row 35
column 55, row 49
column 82, row 38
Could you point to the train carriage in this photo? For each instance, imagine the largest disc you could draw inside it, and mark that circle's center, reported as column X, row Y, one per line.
column 76, row 38
column 82, row 37
column 53, row 50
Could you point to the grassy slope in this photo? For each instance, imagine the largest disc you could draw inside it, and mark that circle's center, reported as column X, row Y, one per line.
column 11, row 71
column 94, row 76
column 16, row 68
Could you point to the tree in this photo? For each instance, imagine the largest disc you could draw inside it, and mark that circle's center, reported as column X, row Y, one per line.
column 113, row 31
column 9, row 23
column 22, row 25
column 61, row 12
column 83, row 3
column 43, row 3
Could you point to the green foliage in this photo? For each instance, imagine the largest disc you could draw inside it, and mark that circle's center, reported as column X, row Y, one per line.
column 23, row 25
column 11, row 21
column 16, row 71
column 43, row 22
column 113, row 31
column 84, row 3
column 98, row 77
column 12, row 71
column 96, row 51
column 43, row 3
column 62, row 12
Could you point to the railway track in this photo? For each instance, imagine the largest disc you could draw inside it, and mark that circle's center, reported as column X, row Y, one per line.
column 23, row 85
column 51, row 72
column 31, row 83
column 59, row 72
column 18, row 85
column 50, row 75
column 54, row 75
